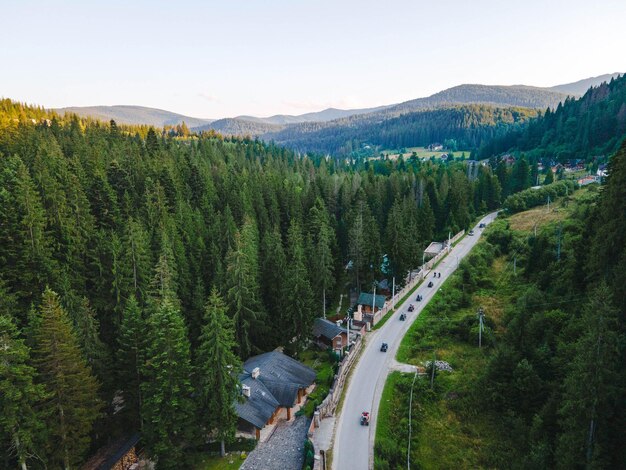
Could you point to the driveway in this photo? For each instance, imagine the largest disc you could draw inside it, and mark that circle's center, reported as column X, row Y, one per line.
column 283, row 451
column 354, row 444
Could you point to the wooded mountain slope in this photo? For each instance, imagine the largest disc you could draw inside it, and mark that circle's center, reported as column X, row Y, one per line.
column 470, row 125
column 592, row 125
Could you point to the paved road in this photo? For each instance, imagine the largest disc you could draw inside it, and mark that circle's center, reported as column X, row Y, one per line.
column 354, row 444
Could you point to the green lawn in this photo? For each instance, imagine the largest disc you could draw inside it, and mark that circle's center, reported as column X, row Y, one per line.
column 423, row 152
column 207, row 462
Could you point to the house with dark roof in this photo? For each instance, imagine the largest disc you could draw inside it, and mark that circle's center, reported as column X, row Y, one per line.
column 272, row 385
column 328, row 334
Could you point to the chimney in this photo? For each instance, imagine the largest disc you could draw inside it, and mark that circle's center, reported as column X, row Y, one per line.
column 256, row 372
column 358, row 315
column 245, row 390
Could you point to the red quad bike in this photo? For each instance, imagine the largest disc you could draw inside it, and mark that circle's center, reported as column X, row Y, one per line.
column 365, row 419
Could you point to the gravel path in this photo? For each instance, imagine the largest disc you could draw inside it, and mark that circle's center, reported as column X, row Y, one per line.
column 283, row 451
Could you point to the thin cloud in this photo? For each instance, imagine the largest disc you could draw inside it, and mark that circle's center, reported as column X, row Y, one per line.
column 210, row 98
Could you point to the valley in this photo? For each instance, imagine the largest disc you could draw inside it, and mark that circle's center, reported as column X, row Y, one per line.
column 312, row 235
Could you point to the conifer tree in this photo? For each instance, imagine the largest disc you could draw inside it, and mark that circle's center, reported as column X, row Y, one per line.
column 243, row 291
column 73, row 403
column 24, row 242
column 167, row 407
column 589, row 391
column 549, row 176
column 217, row 369
column 299, row 313
column 274, row 263
column 87, row 330
column 520, row 177
column 136, row 258
column 130, row 359
column 20, row 421
column 321, row 256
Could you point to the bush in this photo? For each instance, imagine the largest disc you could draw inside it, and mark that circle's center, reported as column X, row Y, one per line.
column 309, row 455
column 535, row 197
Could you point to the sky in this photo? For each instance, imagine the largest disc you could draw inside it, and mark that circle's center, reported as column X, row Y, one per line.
column 214, row 59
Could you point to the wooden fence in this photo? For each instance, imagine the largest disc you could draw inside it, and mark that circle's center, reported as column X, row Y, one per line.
column 329, row 405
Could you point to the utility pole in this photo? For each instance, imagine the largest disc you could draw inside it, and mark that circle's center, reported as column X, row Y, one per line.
column 558, row 243
column 374, row 299
column 393, row 292
column 481, row 314
column 348, row 329
column 449, row 242
column 548, row 203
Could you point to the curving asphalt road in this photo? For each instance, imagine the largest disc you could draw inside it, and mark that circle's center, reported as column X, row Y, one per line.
column 354, row 444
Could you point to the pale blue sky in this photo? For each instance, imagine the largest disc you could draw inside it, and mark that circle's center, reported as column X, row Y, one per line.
column 224, row 58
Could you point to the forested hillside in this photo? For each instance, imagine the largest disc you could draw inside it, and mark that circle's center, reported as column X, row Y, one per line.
column 239, row 126
column 548, row 387
column 470, row 125
column 494, row 95
column 592, row 125
column 112, row 238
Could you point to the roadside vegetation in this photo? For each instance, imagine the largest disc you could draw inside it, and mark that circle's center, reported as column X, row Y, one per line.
column 548, row 369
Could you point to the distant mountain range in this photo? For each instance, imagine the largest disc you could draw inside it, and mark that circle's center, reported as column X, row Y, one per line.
column 270, row 127
column 123, row 114
column 581, row 86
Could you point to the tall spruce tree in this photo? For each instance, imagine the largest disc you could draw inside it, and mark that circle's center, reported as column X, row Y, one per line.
column 167, row 406
column 243, row 290
column 217, row 370
column 274, row 263
column 299, row 313
column 131, row 356
column 21, row 422
column 73, row 403
column 321, row 256
column 87, row 330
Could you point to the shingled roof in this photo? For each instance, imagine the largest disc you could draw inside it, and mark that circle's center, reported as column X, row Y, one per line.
column 326, row 329
column 366, row 299
column 258, row 408
column 280, row 377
